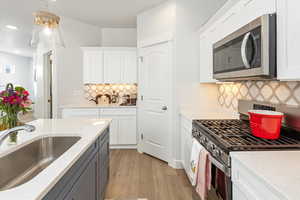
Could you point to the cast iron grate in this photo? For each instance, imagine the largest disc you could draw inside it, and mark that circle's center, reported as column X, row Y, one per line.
column 236, row 135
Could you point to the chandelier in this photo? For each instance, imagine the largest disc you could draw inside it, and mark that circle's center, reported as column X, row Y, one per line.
column 46, row 29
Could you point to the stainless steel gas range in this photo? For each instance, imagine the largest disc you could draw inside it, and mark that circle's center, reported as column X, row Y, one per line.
column 220, row 137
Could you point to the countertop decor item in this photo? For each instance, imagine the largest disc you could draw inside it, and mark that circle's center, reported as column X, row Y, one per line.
column 13, row 100
column 265, row 123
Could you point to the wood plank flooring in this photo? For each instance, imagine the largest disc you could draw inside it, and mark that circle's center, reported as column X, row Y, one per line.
column 134, row 175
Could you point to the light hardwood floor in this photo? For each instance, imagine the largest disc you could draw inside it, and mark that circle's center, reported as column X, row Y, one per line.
column 134, row 175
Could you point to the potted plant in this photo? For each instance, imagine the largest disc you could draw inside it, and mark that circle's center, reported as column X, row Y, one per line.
column 13, row 100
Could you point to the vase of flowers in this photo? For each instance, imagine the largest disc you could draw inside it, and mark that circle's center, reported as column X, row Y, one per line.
column 13, row 100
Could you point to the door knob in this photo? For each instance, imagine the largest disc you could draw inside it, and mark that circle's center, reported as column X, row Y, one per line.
column 164, row 108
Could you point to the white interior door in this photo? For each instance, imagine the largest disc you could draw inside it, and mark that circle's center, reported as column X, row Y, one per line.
column 48, row 83
column 154, row 105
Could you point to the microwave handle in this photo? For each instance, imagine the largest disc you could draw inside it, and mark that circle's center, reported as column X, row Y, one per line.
column 244, row 50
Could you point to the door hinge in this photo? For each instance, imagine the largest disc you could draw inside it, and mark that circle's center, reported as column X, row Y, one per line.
column 142, row 98
column 141, row 58
column 142, row 136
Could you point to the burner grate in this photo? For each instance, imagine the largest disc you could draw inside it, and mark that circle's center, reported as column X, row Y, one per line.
column 236, row 135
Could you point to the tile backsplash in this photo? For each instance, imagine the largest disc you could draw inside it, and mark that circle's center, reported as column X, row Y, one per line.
column 92, row 90
column 267, row 91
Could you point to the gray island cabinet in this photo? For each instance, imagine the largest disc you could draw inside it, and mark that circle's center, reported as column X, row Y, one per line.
column 88, row 177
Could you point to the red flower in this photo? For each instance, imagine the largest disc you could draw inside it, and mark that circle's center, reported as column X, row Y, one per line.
column 25, row 93
column 27, row 103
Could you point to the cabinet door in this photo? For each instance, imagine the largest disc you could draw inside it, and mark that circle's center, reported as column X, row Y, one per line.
column 86, row 186
column 243, row 13
column 288, row 40
column 129, row 69
column 114, row 129
column 206, row 59
column 92, row 67
column 113, row 61
column 252, row 9
column 239, row 194
column 103, row 167
column 127, row 130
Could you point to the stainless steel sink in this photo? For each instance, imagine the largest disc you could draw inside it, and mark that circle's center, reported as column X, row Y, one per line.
column 25, row 163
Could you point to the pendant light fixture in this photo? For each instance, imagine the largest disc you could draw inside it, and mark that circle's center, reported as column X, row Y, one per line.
column 46, row 27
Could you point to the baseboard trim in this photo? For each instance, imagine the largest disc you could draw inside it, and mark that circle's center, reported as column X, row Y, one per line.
column 123, row 146
column 176, row 164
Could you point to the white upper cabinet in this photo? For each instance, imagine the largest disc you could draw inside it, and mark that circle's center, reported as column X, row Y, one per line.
column 120, row 66
column 93, row 66
column 115, row 65
column 288, row 40
column 112, row 67
column 206, row 58
column 129, row 67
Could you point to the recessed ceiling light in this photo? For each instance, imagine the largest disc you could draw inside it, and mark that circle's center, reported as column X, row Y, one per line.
column 11, row 27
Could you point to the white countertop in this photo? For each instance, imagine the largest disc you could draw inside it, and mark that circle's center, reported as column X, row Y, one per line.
column 88, row 129
column 277, row 169
column 93, row 105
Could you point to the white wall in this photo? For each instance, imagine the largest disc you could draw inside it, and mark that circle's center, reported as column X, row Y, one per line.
column 190, row 16
column 67, row 80
column 189, row 94
column 23, row 75
column 70, row 59
column 119, row 37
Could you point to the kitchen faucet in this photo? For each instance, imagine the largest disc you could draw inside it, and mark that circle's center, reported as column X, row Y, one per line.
column 6, row 133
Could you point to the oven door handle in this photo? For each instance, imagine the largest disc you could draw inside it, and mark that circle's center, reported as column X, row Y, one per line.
column 220, row 166
column 244, row 50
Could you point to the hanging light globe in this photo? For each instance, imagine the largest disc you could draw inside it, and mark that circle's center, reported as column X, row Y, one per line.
column 46, row 29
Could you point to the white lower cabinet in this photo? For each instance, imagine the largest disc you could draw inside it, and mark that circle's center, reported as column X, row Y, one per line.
column 240, row 193
column 80, row 113
column 114, row 129
column 186, row 143
column 127, row 131
column 123, row 132
column 249, row 186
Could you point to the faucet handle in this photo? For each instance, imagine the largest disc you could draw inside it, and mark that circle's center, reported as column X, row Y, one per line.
column 29, row 128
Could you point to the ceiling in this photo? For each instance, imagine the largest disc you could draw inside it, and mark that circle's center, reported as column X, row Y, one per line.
column 102, row 13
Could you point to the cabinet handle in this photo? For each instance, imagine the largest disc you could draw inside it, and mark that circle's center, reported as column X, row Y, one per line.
column 164, row 108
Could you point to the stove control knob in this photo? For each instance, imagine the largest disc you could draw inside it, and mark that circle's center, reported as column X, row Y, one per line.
column 213, row 147
column 217, row 152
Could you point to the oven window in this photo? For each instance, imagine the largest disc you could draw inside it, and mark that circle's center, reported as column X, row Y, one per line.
column 228, row 57
column 221, row 185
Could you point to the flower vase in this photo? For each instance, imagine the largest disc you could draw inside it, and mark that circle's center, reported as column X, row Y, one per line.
column 12, row 121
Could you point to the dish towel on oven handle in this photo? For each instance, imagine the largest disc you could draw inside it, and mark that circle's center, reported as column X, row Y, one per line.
column 193, row 166
column 203, row 177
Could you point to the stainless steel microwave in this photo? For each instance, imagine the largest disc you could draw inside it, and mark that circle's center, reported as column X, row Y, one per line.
column 249, row 53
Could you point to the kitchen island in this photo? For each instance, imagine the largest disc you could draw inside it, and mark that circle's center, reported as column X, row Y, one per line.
column 85, row 160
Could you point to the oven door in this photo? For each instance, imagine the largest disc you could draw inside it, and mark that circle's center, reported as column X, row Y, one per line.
column 221, row 185
column 240, row 55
